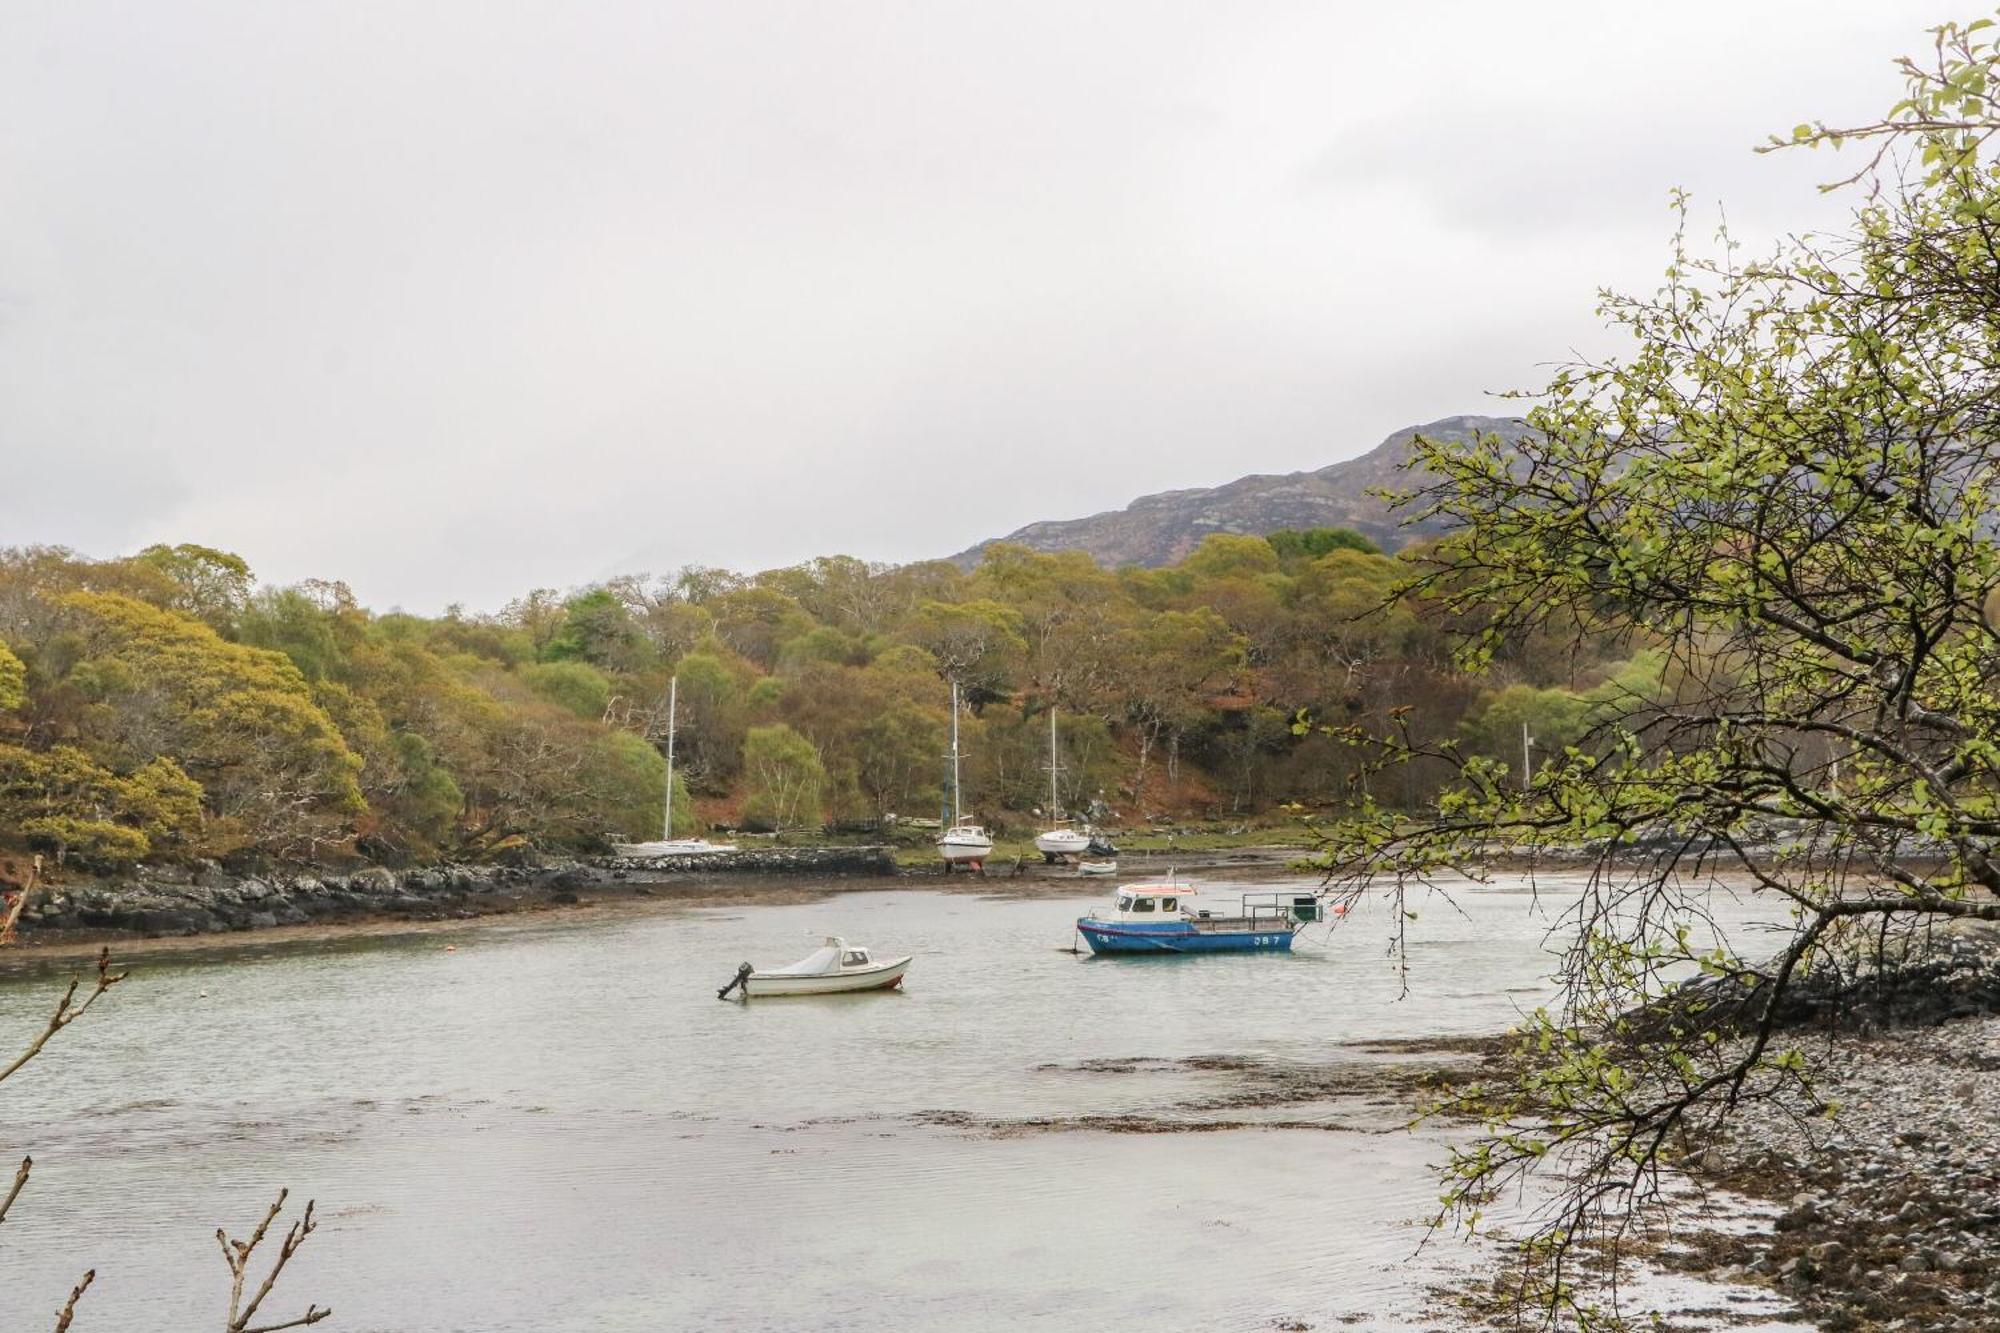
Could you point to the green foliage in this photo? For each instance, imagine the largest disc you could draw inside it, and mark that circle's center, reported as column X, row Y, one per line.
column 786, row 777
column 13, row 680
column 288, row 621
column 577, row 686
column 241, row 720
column 211, row 585
column 313, row 723
column 1223, row 555
column 978, row 644
column 599, row 629
column 1295, row 546
column 1783, row 493
column 1554, row 719
column 65, row 801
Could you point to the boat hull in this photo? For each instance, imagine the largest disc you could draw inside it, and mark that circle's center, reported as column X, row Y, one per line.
column 773, row 984
column 964, row 849
column 1179, row 937
column 677, row 847
column 1062, row 842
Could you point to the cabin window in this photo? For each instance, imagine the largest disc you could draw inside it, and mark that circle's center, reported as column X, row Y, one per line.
column 1143, row 905
column 856, row 959
column 1125, row 904
column 1170, row 904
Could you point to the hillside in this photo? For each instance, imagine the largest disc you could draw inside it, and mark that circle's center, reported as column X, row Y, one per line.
column 1161, row 529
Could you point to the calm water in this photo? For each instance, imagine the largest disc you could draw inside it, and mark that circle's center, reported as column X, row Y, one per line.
column 557, row 1127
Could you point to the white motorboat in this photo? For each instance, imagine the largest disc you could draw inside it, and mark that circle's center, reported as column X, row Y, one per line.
column 962, row 844
column 1063, row 840
column 1096, row 867
column 832, row 969
column 667, row 844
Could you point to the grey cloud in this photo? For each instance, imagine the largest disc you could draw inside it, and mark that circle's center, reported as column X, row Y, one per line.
column 455, row 299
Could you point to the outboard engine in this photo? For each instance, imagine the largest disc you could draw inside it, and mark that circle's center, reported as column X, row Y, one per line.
column 1101, row 846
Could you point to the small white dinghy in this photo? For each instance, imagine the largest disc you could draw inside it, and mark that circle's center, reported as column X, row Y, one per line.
column 1096, row 867
column 835, row 967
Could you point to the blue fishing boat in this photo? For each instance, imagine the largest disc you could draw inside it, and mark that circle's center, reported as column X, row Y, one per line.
column 1168, row 919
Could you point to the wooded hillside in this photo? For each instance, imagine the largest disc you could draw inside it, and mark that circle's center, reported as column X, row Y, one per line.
column 165, row 705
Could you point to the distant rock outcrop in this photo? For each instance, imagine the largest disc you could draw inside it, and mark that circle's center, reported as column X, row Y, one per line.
column 1161, row 529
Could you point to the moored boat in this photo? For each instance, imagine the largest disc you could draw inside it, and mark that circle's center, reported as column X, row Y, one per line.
column 671, row 847
column 1096, row 867
column 1056, row 843
column 963, row 843
column 834, row 968
column 1064, row 840
column 667, row 844
column 1168, row 919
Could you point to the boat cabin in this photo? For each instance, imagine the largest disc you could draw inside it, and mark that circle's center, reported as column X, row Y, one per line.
column 1151, row 902
column 854, row 956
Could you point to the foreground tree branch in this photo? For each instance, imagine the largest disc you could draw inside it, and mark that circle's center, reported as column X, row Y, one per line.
column 237, row 1254
column 1789, row 490
column 68, row 1312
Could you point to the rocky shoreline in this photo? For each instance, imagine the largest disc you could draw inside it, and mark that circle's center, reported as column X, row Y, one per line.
column 165, row 901
column 1892, row 1206
column 1883, row 1209
column 1891, row 1201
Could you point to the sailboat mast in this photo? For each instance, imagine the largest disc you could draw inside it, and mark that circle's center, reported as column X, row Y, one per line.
column 673, row 700
column 1055, row 801
column 956, row 813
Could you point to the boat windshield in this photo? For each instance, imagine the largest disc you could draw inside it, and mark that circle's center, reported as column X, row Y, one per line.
column 856, row 958
column 1124, row 902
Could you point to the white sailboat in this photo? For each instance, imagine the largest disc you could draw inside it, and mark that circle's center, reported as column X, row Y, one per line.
column 667, row 844
column 1062, row 840
column 962, row 843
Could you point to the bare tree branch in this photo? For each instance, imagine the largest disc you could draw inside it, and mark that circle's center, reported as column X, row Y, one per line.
column 237, row 1254
column 68, row 1312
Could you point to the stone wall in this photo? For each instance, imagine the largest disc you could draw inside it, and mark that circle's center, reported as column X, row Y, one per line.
column 173, row 900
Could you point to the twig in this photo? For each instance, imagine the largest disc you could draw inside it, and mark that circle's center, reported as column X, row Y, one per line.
column 68, row 1011
column 236, row 1253
column 20, row 1179
column 68, row 1312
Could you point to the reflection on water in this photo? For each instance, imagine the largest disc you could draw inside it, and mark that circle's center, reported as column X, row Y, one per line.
column 558, row 1127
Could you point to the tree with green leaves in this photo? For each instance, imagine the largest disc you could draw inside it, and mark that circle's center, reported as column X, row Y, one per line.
column 1173, row 662
column 241, row 721
column 787, row 779
column 211, row 585
column 13, row 680
column 1302, row 546
column 1788, row 488
column 67, row 802
column 978, row 644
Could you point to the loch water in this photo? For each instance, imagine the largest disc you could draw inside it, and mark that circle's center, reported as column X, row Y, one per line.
column 551, row 1124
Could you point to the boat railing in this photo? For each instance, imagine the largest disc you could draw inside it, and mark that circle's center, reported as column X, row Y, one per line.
column 1292, row 908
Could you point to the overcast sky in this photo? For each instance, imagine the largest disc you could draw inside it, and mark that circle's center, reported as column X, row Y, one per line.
column 455, row 299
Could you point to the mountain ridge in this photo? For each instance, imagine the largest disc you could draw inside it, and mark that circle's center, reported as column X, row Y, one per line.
column 1163, row 527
